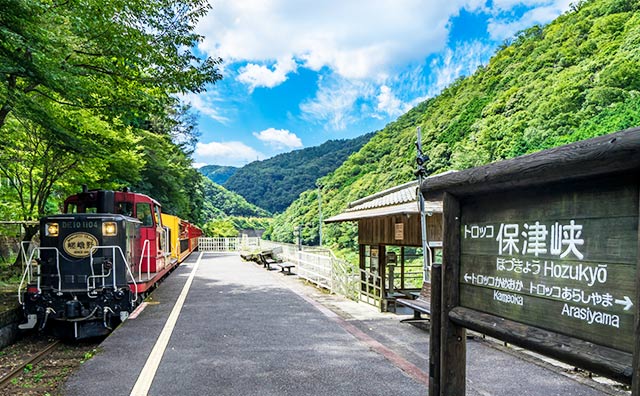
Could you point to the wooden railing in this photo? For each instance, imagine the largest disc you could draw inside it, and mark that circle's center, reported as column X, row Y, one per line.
column 371, row 288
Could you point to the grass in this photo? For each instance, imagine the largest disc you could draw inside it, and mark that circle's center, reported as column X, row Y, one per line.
column 88, row 355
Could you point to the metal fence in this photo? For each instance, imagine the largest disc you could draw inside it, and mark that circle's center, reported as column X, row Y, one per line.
column 226, row 245
column 314, row 264
column 346, row 280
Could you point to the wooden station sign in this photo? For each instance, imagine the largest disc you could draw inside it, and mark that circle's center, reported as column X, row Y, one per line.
column 562, row 259
column 542, row 251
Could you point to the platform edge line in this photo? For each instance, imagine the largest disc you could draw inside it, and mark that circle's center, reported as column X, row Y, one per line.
column 148, row 373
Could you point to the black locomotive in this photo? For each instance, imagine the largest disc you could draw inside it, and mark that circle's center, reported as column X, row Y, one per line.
column 95, row 262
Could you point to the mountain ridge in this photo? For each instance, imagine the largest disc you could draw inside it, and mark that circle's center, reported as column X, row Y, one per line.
column 218, row 174
column 274, row 183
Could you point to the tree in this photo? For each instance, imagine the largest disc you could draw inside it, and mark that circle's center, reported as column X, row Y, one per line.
column 220, row 228
column 80, row 82
column 123, row 58
column 34, row 164
column 112, row 62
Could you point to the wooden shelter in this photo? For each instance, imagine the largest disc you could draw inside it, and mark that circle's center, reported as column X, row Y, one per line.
column 390, row 241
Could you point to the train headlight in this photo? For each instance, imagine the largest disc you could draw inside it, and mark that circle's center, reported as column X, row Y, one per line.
column 109, row 228
column 51, row 229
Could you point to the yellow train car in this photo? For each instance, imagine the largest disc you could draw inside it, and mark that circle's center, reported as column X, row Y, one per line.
column 179, row 238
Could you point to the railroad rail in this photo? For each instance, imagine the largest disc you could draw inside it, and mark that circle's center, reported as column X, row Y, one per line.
column 33, row 360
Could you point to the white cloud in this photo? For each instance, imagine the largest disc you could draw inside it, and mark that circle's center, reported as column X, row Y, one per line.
column 505, row 5
column 335, row 103
column 255, row 75
column 355, row 39
column 227, row 153
column 462, row 60
column 389, row 104
column 205, row 103
column 199, row 165
column 279, row 138
column 361, row 49
column 544, row 11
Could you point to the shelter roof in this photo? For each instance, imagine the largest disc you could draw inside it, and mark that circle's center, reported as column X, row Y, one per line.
column 398, row 200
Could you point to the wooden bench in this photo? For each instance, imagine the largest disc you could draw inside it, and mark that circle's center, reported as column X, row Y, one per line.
column 285, row 267
column 250, row 257
column 421, row 305
column 389, row 301
column 268, row 257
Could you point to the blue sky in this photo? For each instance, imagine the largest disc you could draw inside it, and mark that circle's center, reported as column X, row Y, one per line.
column 298, row 72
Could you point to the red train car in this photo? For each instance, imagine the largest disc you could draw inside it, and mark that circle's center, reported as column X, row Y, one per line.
column 193, row 233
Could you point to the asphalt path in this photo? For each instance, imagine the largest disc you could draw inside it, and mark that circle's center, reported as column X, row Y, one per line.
column 243, row 330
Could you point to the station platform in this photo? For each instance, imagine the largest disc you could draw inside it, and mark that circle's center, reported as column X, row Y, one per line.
column 242, row 330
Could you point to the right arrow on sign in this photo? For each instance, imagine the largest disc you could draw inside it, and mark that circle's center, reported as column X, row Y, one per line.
column 626, row 302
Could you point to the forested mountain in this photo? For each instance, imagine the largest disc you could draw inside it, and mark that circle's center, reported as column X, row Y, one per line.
column 274, row 183
column 225, row 213
column 217, row 173
column 576, row 78
column 220, row 202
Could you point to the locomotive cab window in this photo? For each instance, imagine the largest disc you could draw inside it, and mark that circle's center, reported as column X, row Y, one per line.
column 81, row 208
column 143, row 213
column 157, row 214
column 124, row 208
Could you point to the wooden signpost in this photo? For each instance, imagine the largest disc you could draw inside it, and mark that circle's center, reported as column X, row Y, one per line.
column 542, row 251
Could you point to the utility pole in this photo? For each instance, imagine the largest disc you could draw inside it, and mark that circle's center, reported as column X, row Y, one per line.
column 320, row 213
column 421, row 172
column 298, row 233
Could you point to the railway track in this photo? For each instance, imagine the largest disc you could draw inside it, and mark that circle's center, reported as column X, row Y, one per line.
column 32, row 361
column 39, row 366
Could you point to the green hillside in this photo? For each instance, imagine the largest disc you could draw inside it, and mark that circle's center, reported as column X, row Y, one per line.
column 217, row 173
column 276, row 182
column 576, row 78
column 220, row 202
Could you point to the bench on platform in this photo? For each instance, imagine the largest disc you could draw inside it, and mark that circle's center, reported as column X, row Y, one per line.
column 390, row 301
column 250, row 257
column 285, row 267
column 421, row 305
column 268, row 257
